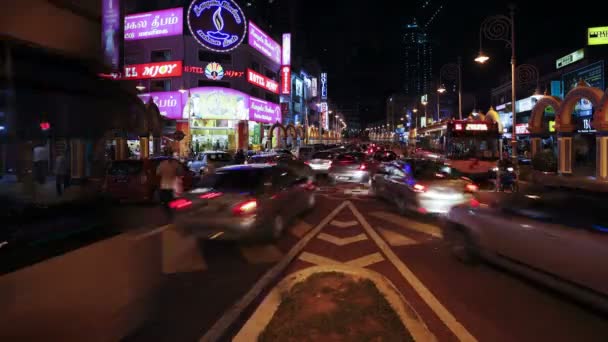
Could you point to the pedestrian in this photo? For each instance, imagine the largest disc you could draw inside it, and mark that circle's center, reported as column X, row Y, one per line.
column 239, row 157
column 168, row 171
column 217, row 145
column 41, row 162
column 61, row 170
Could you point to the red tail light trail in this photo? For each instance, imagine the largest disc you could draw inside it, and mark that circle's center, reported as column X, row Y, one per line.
column 472, row 187
column 245, row 208
column 180, row 203
column 419, row 188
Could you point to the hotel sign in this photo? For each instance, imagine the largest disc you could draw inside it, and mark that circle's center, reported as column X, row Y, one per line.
column 569, row 59
column 262, row 81
column 597, row 35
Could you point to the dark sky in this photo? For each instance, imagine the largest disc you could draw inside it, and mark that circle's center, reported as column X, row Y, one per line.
column 359, row 44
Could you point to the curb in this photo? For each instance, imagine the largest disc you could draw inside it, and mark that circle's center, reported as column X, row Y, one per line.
column 220, row 327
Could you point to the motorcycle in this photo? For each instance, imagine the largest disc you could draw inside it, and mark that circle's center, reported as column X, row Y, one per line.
column 508, row 177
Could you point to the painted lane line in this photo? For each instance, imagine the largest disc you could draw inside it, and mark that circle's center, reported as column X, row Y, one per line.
column 221, row 326
column 361, row 262
column 427, row 296
column 409, row 224
column 341, row 241
column 342, row 224
column 300, row 229
column 396, row 239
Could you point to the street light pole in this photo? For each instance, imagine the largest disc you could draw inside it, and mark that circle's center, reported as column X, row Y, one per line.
column 459, row 88
column 513, row 88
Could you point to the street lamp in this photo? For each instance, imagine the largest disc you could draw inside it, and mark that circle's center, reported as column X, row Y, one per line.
column 441, row 89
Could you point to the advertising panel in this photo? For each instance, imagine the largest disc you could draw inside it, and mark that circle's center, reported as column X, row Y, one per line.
column 286, row 55
column 219, row 26
column 593, row 74
column 164, row 23
column 314, row 87
column 299, row 87
column 262, row 42
column 264, row 111
column 110, row 33
column 214, row 71
column 570, row 58
column 324, row 115
column 324, row 86
column 170, row 103
column 262, row 81
column 286, row 80
column 153, row 70
column 521, row 128
column 218, row 103
column 597, row 35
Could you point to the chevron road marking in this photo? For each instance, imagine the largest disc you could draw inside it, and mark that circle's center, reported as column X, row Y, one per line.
column 342, row 224
column 363, row 261
column 406, row 223
column 300, row 229
column 341, row 241
column 396, row 239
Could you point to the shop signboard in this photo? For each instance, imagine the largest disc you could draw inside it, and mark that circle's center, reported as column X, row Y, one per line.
column 324, row 86
column 264, row 111
column 153, row 70
column 556, row 89
column 592, row 74
column 584, row 125
column 286, row 80
column 164, row 23
column 219, row 26
column 286, row 51
column 262, row 81
column 570, row 58
column 314, row 87
column 262, row 42
column 170, row 103
column 521, row 128
column 307, row 86
column 299, row 86
column 110, row 33
column 324, row 115
column 526, row 104
column 210, row 68
column 218, row 103
column 597, row 35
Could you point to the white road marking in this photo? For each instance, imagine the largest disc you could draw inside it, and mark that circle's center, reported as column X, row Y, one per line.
column 300, row 229
column 357, row 192
column 341, row 241
column 396, row 239
column 408, row 223
column 343, row 224
column 446, row 317
column 362, row 262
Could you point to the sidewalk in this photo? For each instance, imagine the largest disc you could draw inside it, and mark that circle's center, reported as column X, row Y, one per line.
column 46, row 194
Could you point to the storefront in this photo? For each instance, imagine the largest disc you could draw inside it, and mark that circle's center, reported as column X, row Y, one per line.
column 262, row 115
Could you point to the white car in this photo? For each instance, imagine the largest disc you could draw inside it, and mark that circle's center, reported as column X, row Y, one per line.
column 556, row 237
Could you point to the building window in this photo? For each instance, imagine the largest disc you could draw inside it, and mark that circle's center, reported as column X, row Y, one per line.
column 255, row 66
column 160, row 85
column 270, row 74
column 208, row 56
column 160, row 55
column 207, row 83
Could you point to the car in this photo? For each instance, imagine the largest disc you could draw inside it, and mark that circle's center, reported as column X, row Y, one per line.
column 385, row 156
column 136, row 180
column 244, row 201
column 282, row 151
column 304, row 152
column 351, row 167
column 320, row 162
column 421, row 185
column 209, row 161
column 269, row 158
column 558, row 237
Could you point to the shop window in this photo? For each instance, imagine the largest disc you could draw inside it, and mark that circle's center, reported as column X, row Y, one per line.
column 160, row 85
column 207, row 83
column 207, row 56
column 160, row 55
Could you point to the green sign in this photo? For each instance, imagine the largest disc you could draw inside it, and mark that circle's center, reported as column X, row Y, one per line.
column 597, row 35
column 569, row 59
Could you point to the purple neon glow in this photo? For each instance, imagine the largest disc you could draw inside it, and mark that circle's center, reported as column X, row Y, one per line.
column 286, row 49
column 110, row 32
column 264, row 111
column 169, row 22
column 262, row 42
column 170, row 103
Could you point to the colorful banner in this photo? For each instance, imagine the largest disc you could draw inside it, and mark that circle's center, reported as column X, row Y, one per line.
column 262, row 42
column 170, row 103
column 110, row 33
column 286, row 80
column 153, row 70
column 169, row 22
column 264, row 111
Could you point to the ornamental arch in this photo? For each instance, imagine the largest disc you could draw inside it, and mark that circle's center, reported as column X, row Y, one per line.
column 280, row 137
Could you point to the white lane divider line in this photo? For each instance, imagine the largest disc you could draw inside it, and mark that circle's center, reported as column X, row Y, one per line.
column 343, row 224
column 300, row 229
column 338, row 241
column 407, row 223
column 427, row 296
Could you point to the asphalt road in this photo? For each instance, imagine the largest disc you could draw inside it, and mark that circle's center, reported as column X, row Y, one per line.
column 481, row 302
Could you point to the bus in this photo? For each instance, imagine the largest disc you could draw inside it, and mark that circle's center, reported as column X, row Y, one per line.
column 469, row 146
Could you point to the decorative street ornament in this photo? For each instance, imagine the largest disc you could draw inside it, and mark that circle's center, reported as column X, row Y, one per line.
column 218, row 25
column 214, row 71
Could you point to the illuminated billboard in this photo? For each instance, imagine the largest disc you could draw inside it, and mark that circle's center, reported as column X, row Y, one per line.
column 286, row 80
column 164, row 23
column 153, row 70
column 286, row 55
column 593, row 74
column 262, row 42
column 324, row 86
column 597, row 35
column 219, row 26
column 110, row 33
column 262, row 81
column 170, row 103
column 217, row 103
column 570, row 58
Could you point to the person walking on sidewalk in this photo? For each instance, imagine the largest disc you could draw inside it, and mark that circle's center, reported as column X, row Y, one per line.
column 168, row 172
column 61, row 172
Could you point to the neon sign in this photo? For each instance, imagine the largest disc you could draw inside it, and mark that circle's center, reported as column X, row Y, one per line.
column 286, row 55
column 522, row 128
column 170, row 103
column 214, row 71
column 201, row 70
column 169, row 22
column 264, row 111
column 262, row 42
column 218, row 25
column 262, row 81
column 285, row 80
column 153, row 70
column 324, row 86
column 110, row 35
column 476, row 127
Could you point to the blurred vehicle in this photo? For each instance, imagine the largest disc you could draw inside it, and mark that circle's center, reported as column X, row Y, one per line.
column 210, row 160
column 269, row 158
column 289, row 161
column 304, row 152
column 385, row 156
column 320, row 162
column 243, row 201
column 282, row 151
column 508, row 178
column 136, row 180
column 555, row 236
column 352, row 167
column 424, row 186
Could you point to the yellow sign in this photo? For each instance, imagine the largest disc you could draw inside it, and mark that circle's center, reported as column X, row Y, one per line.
column 597, row 35
column 552, row 126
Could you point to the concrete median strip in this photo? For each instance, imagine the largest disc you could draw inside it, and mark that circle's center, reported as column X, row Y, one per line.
column 409, row 223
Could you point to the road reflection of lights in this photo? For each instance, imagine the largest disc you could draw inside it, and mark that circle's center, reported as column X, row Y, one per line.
column 216, row 235
column 533, row 196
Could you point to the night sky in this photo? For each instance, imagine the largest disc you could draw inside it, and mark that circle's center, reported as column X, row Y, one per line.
column 359, row 42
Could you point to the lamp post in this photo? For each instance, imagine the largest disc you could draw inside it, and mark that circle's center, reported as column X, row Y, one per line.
column 440, row 90
column 453, row 72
